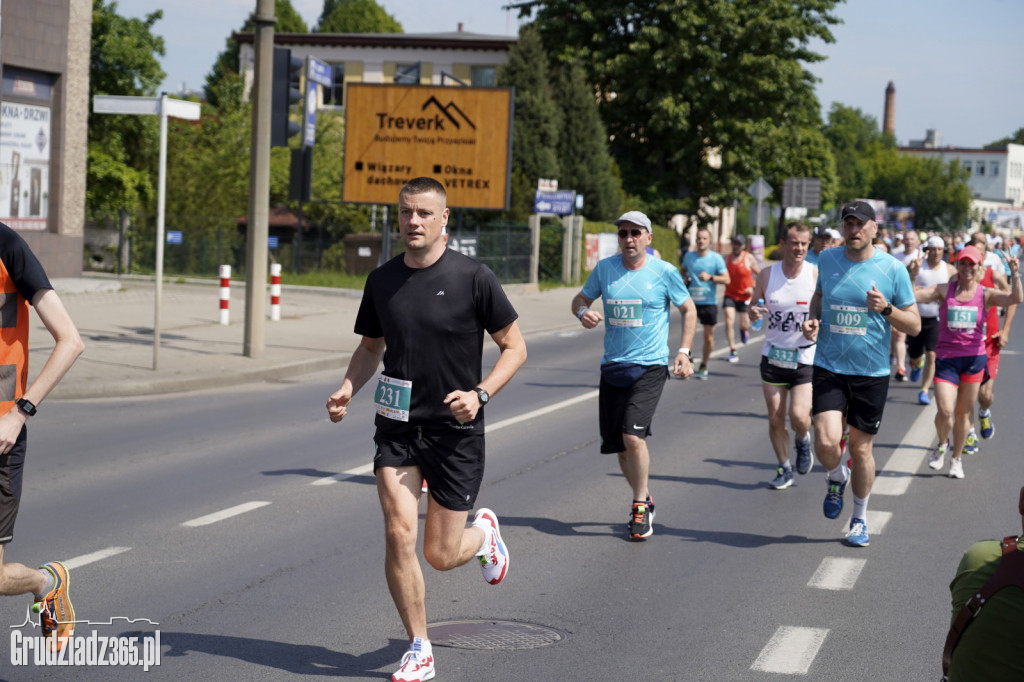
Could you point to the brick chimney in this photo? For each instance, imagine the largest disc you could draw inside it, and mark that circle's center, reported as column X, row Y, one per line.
column 889, row 121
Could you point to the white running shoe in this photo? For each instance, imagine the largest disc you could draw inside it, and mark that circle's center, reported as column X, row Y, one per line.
column 494, row 555
column 956, row 468
column 417, row 663
column 937, row 457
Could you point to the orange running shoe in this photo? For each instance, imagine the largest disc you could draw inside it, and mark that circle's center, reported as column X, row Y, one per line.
column 56, row 614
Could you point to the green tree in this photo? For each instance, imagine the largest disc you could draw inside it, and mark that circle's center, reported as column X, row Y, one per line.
column 938, row 191
column 586, row 164
column 682, row 83
column 288, row 21
column 859, row 148
column 1016, row 138
column 356, row 16
column 537, row 120
column 122, row 152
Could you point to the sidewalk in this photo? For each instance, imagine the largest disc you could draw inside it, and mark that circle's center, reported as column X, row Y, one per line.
column 116, row 317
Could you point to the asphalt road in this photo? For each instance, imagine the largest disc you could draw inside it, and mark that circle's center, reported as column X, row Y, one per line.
column 739, row 582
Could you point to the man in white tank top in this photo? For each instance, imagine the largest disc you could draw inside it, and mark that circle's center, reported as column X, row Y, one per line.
column 787, row 357
column 921, row 348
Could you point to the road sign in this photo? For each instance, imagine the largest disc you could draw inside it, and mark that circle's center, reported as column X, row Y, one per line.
column 760, row 189
column 319, row 72
column 558, row 203
column 805, row 192
column 174, row 237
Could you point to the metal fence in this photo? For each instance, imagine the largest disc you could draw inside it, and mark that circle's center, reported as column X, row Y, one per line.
column 504, row 247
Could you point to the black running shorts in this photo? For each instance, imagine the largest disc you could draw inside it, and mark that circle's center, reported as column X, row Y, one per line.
column 861, row 399
column 453, row 464
column 926, row 340
column 707, row 315
column 11, row 466
column 784, row 376
column 630, row 409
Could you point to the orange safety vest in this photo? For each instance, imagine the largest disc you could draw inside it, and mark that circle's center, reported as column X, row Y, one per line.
column 14, row 319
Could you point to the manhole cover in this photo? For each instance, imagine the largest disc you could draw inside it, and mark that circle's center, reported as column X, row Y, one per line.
column 493, row 634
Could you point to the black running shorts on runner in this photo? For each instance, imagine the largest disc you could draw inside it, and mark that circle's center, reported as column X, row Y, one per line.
column 630, row 409
column 453, row 464
column 11, row 466
column 927, row 340
column 707, row 314
column 861, row 399
column 729, row 302
column 784, row 376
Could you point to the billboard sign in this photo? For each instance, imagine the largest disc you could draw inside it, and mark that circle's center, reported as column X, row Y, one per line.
column 460, row 136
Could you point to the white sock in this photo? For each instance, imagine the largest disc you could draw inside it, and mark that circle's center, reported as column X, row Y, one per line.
column 984, row 413
column 421, row 645
column 51, row 582
column 786, row 464
column 487, row 539
column 839, row 474
column 860, row 506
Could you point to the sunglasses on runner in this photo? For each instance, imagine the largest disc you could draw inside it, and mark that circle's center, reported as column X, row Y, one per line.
column 635, row 232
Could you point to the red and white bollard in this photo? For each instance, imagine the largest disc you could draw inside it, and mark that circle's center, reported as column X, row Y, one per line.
column 275, row 292
column 225, row 293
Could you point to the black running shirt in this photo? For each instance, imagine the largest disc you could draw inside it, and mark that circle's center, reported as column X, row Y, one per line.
column 433, row 321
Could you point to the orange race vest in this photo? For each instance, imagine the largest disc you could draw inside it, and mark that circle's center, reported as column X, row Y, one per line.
column 14, row 319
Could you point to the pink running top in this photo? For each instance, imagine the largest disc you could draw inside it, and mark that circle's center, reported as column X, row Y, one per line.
column 961, row 325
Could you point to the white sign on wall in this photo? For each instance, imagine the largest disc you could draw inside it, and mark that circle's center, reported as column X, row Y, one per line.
column 25, row 134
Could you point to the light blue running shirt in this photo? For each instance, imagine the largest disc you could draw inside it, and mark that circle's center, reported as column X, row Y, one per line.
column 703, row 293
column 636, row 308
column 851, row 338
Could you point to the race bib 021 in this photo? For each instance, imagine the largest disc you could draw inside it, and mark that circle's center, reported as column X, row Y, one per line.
column 392, row 398
column 625, row 313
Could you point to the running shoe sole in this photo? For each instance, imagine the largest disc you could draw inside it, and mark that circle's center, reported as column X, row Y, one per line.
column 56, row 614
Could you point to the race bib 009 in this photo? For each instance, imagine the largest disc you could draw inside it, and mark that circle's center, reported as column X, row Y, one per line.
column 848, row 319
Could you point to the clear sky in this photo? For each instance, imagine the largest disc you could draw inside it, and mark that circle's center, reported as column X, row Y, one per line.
column 957, row 65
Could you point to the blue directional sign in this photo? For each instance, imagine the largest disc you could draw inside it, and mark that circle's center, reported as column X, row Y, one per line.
column 272, row 241
column 560, row 202
column 319, row 72
column 174, row 237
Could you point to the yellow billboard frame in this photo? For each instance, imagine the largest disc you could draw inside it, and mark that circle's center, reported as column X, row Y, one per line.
column 461, row 136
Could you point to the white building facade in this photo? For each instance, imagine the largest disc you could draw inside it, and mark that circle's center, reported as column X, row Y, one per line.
column 996, row 175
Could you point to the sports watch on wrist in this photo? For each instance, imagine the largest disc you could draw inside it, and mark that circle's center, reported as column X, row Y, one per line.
column 887, row 310
column 26, row 406
column 483, row 395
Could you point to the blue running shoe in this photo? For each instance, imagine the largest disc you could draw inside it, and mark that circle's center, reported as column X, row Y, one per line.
column 971, row 446
column 857, row 536
column 916, row 369
column 833, row 505
column 987, row 429
column 783, row 480
column 803, row 455
column 923, row 399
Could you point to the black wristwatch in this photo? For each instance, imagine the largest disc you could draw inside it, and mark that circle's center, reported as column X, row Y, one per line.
column 483, row 395
column 887, row 310
column 26, row 406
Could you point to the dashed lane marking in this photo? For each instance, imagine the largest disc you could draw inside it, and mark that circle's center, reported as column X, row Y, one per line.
column 836, row 573
column 904, row 463
column 224, row 514
column 791, row 650
column 93, row 557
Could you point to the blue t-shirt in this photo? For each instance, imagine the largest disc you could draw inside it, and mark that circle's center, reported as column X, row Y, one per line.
column 811, row 257
column 853, row 339
column 703, row 293
column 636, row 308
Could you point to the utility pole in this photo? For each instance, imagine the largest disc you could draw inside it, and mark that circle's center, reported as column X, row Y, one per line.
column 259, row 184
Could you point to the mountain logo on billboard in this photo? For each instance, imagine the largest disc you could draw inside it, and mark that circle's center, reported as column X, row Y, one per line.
column 451, row 111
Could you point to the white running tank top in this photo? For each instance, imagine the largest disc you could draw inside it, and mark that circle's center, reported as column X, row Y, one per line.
column 926, row 277
column 789, row 303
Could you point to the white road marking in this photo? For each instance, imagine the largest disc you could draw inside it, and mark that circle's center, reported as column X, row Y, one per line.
column 835, row 573
column 224, row 514
column 791, row 650
column 904, row 463
column 93, row 557
column 491, row 428
column 877, row 521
